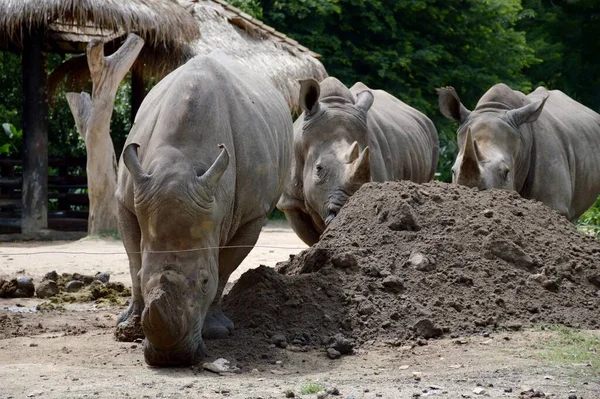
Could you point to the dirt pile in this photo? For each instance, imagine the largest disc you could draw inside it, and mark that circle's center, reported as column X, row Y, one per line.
column 404, row 261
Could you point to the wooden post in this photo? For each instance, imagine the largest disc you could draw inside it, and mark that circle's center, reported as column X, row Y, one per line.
column 35, row 135
column 92, row 118
column 138, row 92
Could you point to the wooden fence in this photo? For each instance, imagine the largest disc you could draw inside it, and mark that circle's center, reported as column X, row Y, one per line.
column 67, row 195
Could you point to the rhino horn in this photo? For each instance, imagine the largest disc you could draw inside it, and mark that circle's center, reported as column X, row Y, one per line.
column 353, row 153
column 212, row 176
column 132, row 162
column 469, row 168
column 361, row 167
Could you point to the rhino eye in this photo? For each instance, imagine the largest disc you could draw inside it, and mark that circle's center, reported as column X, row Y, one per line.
column 505, row 174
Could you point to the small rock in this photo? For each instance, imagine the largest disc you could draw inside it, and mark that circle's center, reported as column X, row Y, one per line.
column 333, row 391
column 538, row 394
column 25, row 286
column 426, row 329
column 488, row 213
column 255, row 371
column 479, row 391
column 416, row 376
column 421, row 262
column 321, row 395
column 103, row 277
column 50, row 276
column 333, row 354
column 393, row 283
column 74, row 285
column 341, row 344
column 279, row 340
column 218, row 366
column 344, row 260
column 47, row 288
column 404, row 367
column 290, row 394
column 508, row 390
column 572, row 396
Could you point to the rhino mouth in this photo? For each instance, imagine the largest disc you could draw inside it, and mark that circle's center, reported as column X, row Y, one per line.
column 186, row 354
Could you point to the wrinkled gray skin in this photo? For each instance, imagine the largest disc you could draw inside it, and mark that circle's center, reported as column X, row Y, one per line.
column 214, row 150
column 345, row 138
column 543, row 145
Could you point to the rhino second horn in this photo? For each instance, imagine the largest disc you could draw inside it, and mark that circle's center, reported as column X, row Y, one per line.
column 212, row 176
column 132, row 162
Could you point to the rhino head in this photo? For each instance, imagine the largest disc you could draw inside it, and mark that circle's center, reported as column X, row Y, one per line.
column 492, row 150
column 179, row 222
column 332, row 146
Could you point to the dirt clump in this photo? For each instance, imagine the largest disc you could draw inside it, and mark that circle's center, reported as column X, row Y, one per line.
column 404, row 261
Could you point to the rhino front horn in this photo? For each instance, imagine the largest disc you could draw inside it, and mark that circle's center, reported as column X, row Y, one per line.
column 212, row 176
column 469, row 167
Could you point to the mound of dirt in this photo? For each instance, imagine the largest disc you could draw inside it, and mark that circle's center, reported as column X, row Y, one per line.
column 404, row 261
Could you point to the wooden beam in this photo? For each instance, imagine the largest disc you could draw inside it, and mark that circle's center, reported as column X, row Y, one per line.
column 35, row 135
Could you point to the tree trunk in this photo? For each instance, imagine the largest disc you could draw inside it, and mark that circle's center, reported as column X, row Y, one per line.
column 35, row 136
column 92, row 118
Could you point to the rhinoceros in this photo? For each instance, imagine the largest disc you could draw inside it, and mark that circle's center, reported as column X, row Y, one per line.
column 202, row 168
column 345, row 138
column 543, row 145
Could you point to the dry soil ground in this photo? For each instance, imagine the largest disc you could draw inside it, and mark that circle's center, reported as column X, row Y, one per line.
column 73, row 354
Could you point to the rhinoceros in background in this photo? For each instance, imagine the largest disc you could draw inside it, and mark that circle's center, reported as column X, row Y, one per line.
column 345, row 138
column 545, row 146
column 181, row 198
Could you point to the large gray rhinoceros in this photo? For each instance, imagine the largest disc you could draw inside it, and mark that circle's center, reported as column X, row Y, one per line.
column 345, row 138
column 544, row 145
column 180, row 198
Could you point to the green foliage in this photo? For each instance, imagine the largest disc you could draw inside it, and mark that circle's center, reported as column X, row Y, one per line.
column 251, row 7
column 311, row 388
column 589, row 222
column 11, row 141
column 569, row 346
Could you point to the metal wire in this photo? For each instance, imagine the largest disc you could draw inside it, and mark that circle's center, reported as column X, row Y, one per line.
column 139, row 252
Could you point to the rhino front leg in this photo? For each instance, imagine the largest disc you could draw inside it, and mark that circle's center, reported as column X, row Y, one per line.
column 217, row 325
column 302, row 225
column 129, row 327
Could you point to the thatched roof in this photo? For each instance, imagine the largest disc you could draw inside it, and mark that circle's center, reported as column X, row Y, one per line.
column 258, row 46
column 70, row 24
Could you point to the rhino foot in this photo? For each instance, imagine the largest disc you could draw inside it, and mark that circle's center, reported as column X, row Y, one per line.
column 129, row 326
column 216, row 325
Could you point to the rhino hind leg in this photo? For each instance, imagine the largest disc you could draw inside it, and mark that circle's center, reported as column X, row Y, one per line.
column 217, row 325
column 129, row 326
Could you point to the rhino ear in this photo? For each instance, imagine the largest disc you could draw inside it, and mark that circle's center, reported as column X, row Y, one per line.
column 526, row 114
column 364, row 100
column 309, row 95
column 450, row 105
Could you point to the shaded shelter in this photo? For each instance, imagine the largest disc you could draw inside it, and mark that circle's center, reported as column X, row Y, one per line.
column 36, row 27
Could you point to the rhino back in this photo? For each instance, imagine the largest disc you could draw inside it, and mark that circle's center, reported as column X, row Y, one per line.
column 567, row 139
column 211, row 100
column 403, row 141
